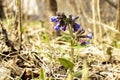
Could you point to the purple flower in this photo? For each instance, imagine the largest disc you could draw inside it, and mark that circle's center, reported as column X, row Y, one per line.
column 80, row 31
column 35, row 17
column 64, row 27
column 53, row 19
column 76, row 27
column 87, row 42
column 57, row 27
column 83, row 42
column 90, row 35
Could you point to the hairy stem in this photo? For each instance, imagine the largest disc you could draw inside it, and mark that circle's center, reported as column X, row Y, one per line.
column 70, row 75
column 72, row 43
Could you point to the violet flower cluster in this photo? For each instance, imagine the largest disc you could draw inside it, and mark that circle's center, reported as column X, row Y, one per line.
column 62, row 22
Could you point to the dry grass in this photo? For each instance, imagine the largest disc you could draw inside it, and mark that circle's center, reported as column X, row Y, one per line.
column 41, row 51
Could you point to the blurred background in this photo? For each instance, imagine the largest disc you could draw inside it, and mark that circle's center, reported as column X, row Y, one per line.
column 43, row 9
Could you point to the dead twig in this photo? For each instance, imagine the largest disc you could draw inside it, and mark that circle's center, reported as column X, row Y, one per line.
column 111, row 3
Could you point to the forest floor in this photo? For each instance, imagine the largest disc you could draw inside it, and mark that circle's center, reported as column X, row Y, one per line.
column 40, row 51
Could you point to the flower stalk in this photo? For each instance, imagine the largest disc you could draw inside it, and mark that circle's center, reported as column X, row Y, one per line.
column 70, row 75
column 72, row 42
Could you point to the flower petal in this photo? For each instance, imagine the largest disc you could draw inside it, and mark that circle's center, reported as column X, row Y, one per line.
column 57, row 27
column 76, row 27
column 87, row 42
column 80, row 31
column 64, row 28
column 90, row 35
column 83, row 42
column 53, row 19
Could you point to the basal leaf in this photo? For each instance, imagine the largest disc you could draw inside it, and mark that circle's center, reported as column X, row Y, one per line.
column 78, row 73
column 66, row 63
column 42, row 76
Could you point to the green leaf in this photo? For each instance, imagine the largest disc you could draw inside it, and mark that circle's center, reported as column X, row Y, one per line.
column 66, row 63
column 67, row 38
column 109, row 51
column 46, row 38
column 42, row 76
column 78, row 73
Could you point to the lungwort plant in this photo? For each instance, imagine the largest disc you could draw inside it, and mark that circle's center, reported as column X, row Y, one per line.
column 76, row 33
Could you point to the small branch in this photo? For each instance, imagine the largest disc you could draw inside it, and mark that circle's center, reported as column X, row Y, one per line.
column 118, row 16
column 20, row 26
column 111, row 3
